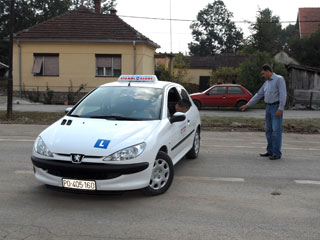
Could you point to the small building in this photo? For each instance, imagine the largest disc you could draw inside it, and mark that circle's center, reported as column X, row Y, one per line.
column 308, row 21
column 79, row 48
column 285, row 58
column 304, row 85
column 200, row 68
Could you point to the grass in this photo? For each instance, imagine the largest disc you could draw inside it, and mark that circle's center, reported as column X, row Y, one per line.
column 42, row 118
column 260, row 105
column 306, row 126
column 309, row 126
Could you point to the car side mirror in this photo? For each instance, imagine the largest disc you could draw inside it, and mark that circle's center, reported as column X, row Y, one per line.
column 177, row 117
column 67, row 110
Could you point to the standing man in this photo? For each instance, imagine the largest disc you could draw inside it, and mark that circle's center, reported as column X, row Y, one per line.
column 275, row 94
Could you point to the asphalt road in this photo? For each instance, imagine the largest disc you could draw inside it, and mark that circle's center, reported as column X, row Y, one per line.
column 229, row 192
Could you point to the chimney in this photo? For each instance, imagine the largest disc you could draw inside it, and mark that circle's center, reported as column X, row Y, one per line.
column 97, row 6
column 113, row 11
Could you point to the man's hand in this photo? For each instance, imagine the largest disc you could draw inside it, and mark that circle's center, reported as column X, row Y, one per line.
column 278, row 113
column 244, row 107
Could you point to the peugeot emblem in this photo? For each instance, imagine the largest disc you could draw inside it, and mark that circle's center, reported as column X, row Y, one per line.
column 76, row 158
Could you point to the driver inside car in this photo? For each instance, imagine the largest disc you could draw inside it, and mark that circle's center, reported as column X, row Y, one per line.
column 183, row 106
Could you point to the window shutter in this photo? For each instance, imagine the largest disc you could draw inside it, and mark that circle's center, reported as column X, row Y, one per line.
column 51, row 66
column 37, row 64
column 102, row 61
column 117, row 63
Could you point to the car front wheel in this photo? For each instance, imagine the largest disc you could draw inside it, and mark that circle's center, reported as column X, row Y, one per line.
column 162, row 175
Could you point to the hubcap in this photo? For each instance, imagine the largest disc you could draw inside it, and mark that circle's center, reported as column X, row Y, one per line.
column 160, row 174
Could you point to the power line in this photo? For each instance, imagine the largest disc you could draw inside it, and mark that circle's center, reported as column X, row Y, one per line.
column 163, row 19
column 189, row 20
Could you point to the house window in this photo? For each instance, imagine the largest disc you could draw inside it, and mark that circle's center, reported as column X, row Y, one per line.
column 108, row 65
column 46, row 65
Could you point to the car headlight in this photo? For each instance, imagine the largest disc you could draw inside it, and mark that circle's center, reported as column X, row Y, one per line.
column 127, row 153
column 41, row 148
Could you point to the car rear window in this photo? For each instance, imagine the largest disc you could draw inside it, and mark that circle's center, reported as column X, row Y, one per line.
column 235, row 90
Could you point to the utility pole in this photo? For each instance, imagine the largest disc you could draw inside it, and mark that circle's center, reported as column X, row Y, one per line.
column 10, row 80
column 170, row 30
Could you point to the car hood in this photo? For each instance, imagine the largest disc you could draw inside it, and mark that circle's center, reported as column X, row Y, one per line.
column 95, row 137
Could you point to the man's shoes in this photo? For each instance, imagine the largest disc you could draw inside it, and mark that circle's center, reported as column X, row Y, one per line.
column 265, row 154
column 274, row 157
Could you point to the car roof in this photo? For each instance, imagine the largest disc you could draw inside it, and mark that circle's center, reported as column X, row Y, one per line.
column 156, row 84
column 227, row 85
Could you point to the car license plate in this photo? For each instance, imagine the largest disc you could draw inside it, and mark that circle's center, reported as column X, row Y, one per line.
column 79, row 184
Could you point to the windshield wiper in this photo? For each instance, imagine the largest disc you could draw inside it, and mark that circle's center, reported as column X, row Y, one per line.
column 112, row 117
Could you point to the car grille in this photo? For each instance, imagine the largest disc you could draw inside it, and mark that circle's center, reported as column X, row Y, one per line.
column 87, row 171
column 83, row 175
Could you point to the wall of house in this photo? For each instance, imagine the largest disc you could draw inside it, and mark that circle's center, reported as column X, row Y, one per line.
column 77, row 64
column 193, row 75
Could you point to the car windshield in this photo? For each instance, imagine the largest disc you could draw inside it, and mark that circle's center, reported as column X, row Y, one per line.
column 121, row 103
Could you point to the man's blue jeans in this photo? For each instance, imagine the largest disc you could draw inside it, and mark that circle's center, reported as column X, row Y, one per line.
column 273, row 130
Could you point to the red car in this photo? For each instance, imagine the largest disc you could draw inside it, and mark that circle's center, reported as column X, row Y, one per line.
column 222, row 95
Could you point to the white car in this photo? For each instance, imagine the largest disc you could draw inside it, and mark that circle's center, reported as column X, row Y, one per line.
column 123, row 135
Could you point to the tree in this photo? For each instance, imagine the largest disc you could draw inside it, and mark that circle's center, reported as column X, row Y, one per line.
column 249, row 71
column 306, row 50
column 266, row 31
column 106, row 5
column 180, row 69
column 214, row 32
column 224, row 75
column 163, row 73
column 286, row 35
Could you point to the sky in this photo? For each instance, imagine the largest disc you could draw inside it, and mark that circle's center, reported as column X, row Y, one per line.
column 159, row 30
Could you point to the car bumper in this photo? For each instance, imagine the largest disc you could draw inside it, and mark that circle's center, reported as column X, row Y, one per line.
column 113, row 177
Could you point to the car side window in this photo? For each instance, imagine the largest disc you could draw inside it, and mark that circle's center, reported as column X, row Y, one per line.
column 235, row 90
column 218, row 91
column 184, row 95
column 173, row 99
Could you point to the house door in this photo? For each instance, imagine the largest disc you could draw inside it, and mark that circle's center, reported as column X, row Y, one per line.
column 204, row 83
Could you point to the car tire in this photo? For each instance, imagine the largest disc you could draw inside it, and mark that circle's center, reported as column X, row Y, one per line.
column 194, row 151
column 197, row 103
column 161, row 177
column 240, row 103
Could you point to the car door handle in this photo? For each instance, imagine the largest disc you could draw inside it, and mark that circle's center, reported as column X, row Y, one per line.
column 224, row 97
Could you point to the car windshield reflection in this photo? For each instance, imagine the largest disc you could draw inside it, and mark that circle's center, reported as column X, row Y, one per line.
column 121, row 103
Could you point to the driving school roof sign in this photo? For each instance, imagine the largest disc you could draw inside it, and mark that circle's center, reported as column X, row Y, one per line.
column 138, row 78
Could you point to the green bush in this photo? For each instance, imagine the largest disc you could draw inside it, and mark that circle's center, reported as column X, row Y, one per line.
column 249, row 71
column 48, row 95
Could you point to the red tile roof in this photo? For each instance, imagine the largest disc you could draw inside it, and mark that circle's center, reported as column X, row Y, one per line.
column 308, row 21
column 84, row 25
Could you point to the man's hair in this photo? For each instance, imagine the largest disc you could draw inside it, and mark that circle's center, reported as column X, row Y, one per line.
column 266, row 67
column 184, row 103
